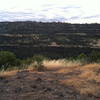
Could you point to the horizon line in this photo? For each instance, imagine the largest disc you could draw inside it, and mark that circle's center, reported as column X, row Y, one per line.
column 49, row 22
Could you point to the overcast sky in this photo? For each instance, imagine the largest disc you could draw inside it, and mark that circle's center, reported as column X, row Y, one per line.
column 74, row 11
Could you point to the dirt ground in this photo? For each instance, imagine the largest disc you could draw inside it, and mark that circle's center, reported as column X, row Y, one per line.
column 62, row 83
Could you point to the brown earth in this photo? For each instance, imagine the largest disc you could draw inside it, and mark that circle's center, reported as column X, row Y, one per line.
column 62, row 83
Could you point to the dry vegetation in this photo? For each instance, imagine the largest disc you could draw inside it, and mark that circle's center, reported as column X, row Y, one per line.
column 61, row 80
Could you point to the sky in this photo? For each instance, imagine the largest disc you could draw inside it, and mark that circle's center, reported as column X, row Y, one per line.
column 71, row 11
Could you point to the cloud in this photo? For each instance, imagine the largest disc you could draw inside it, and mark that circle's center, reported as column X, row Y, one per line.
column 74, row 11
column 91, row 17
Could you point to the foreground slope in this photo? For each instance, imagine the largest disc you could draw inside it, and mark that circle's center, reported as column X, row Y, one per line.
column 57, row 83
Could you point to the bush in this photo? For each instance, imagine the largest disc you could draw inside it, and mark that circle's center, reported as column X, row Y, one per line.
column 17, row 62
column 39, row 67
column 27, row 61
column 36, row 58
column 7, row 59
column 36, row 62
column 94, row 56
column 39, row 58
column 82, row 57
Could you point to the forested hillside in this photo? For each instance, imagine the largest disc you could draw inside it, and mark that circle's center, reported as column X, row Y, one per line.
column 52, row 37
column 45, row 28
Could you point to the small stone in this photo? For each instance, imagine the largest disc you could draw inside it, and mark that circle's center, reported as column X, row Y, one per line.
column 34, row 86
column 17, row 90
column 39, row 79
column 61, row 95
column 5, row 81
column 47, row 89
column 2, row 78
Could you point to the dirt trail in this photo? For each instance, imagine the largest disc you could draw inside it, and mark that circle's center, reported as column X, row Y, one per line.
column 48, row 85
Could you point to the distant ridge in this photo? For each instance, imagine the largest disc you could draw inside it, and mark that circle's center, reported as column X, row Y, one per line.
column 29, row 27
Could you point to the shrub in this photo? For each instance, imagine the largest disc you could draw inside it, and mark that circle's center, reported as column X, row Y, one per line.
column 39, row 58
column 17, row 62
column 36, row 62
column 27, row 61
column 36, row 58
column 7, row 59
column 39, row 67
column 82, row 57
column 94, row 56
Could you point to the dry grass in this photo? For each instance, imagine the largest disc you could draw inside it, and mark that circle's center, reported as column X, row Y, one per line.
column 61, row 63
column 83, row 78
column 87, row 81
column 8, row 73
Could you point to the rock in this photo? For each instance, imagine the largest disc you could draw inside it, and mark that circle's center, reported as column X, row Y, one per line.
column 17, row 90
column 34, row 86
column 38, row 79
column 5, row 81
column 47, row 89
column 2, row 78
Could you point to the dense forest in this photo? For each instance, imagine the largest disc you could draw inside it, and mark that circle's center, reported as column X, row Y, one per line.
column 54, row 39
column 46, row 28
